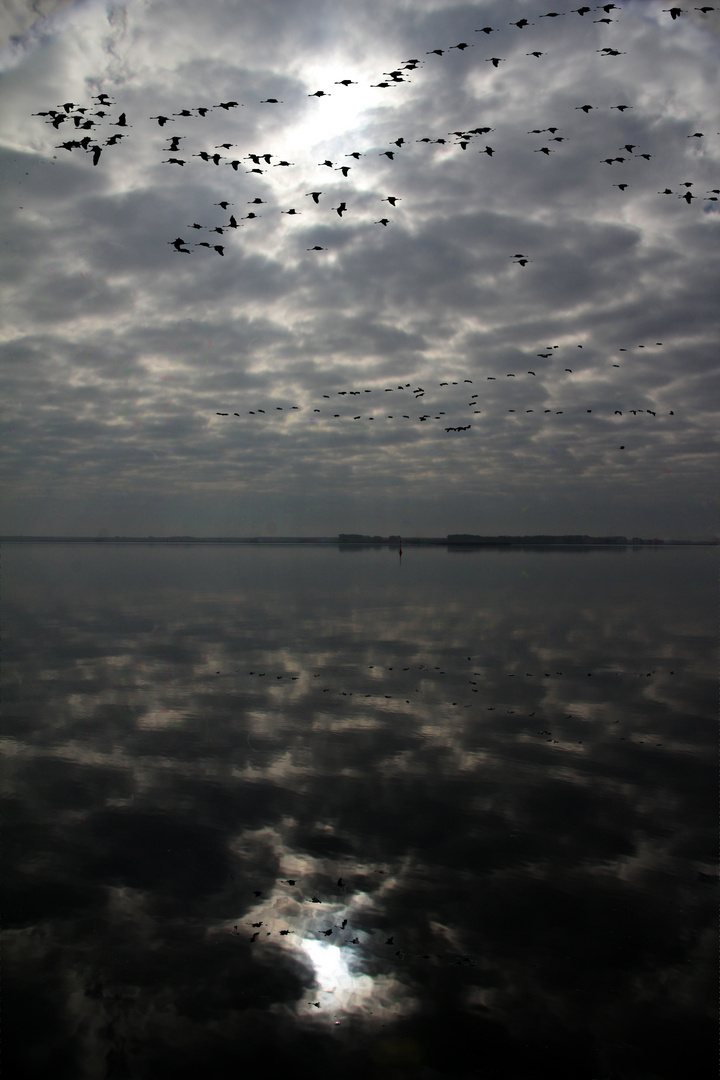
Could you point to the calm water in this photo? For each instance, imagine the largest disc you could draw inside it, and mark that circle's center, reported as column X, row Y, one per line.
column 318, row 810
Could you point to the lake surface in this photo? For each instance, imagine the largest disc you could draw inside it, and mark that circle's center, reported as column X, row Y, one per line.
column 312, row 809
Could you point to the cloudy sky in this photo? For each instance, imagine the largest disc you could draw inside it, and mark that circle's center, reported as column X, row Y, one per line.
column 119, row 352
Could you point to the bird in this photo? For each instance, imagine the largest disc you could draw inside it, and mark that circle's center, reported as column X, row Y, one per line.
column 341, row 209
column 520, row 23
column 346, row 82
column 344, row 169
column 538, row 54
column 392, row 199
column 488, row 150
column 495, row 60
column 621, row 108
column 319, row 93
column 461, row 46
column 162, row 120
column 289, row 211
column 674, row 12
column 96, row 152
column 486, row 30
column 317, row 248
column 330, row 164
column 388, row 154
column 226, row 105
column 271, row 101
column 382, row 221
column 544, row 150
column 585, row 108
column 173, row 161
column 315, row 195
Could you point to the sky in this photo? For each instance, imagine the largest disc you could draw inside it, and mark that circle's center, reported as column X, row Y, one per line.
column 153, row 387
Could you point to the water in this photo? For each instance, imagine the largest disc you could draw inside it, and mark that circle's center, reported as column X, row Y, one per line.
column 311, row 809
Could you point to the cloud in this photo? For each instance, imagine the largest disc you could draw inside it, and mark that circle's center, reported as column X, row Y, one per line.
column 142, row 333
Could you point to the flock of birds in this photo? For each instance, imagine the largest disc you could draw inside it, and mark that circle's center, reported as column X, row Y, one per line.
column 435, row 672
column 259, row 163
column 255, row 163
column 368, row 936
column 418, row 394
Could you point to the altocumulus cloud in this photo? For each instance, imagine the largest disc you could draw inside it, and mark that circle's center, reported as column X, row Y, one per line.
column 526, row 234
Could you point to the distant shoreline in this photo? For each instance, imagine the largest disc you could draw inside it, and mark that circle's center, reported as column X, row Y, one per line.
column 455, row 540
